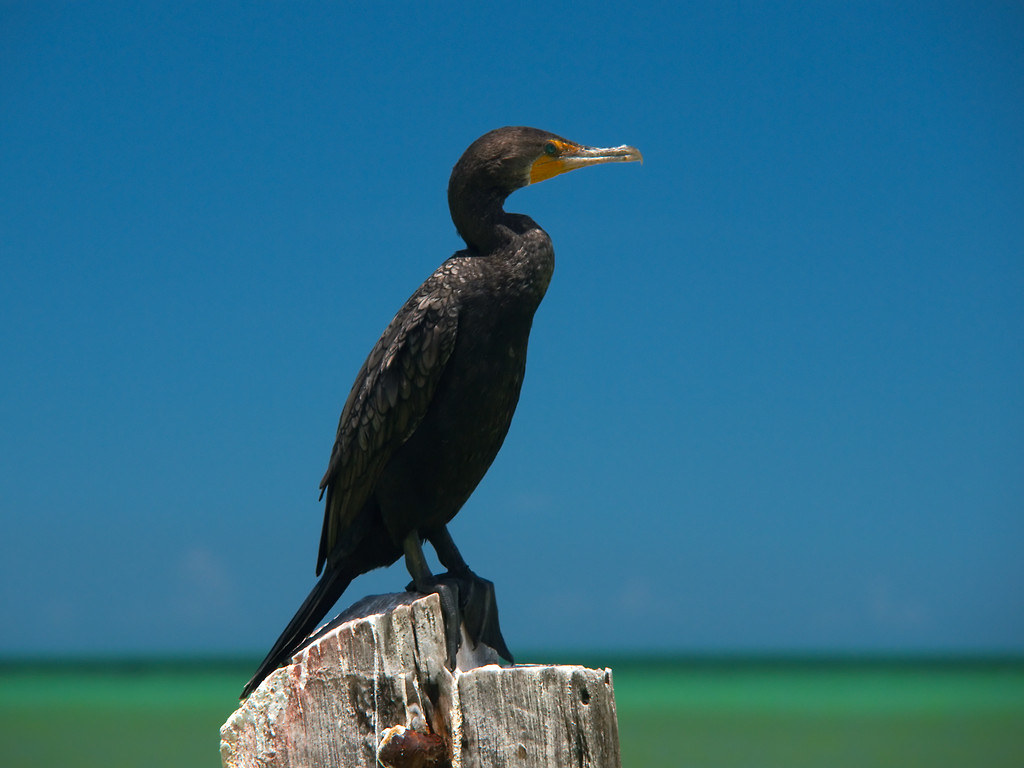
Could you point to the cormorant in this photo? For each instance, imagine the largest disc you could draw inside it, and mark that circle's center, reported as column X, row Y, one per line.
column 432, row 403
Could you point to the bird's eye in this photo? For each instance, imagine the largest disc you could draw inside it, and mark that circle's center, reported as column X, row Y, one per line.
column 550, row 148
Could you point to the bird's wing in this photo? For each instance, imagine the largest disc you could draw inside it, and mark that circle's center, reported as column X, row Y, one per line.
column 390, row 396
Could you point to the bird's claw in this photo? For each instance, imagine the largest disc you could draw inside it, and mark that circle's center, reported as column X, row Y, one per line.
column 479, row 607
column 467, row 600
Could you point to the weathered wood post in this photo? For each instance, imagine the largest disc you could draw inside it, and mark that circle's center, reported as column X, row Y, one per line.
column 375, row 689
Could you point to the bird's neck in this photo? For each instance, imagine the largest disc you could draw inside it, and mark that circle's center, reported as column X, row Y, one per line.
column 481, row 221
column 513, row 238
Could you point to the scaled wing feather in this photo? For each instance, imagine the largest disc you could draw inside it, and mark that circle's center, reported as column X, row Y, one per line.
column 392, row 393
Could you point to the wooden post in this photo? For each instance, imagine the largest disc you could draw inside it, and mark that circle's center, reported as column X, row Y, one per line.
column 375, row 688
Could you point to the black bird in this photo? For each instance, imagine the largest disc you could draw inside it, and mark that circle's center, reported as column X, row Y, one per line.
column 432, row 403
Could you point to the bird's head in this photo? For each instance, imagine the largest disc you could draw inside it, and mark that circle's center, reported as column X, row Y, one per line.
column 506, row 159
column 502, row 161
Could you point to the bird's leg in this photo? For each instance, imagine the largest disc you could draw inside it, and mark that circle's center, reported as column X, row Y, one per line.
column 447, row 552
column 422, row 579
column 424, row 582
column 477, row 600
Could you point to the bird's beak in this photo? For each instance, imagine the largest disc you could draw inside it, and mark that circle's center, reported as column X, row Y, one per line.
column 568, row 157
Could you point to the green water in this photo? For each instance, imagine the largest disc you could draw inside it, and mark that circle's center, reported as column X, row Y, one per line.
column 671, row 713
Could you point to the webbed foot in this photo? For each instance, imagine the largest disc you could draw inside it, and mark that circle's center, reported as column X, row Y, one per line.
column 466, row 599
column 479, row 608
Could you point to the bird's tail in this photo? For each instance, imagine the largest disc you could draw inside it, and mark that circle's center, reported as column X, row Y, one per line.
column 316, row 605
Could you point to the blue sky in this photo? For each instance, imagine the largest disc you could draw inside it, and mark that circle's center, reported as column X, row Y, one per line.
column 774, row 393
